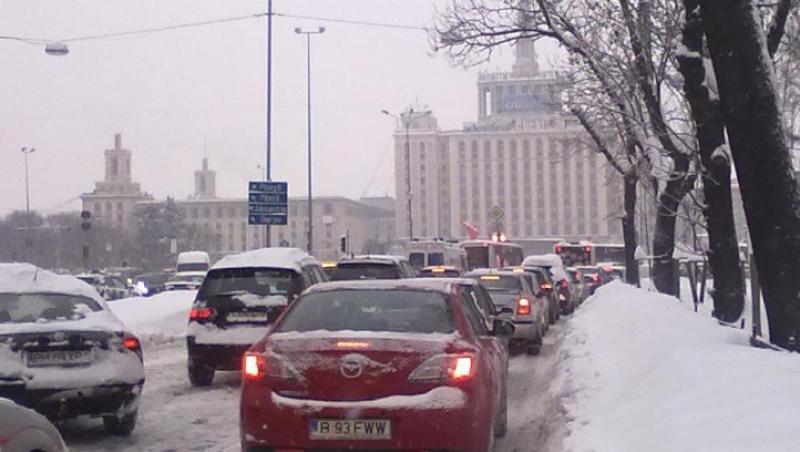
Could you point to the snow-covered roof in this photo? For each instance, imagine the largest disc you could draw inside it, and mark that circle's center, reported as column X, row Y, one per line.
column 437, row 284
column 286, row 258
column 193, row 256
column 374, row 258
column 553, row 261
column 26, row 278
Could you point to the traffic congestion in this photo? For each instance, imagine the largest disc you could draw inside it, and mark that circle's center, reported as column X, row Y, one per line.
column 376, row 356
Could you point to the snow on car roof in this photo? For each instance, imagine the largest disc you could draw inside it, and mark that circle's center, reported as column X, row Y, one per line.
column 437, row 284
column 548, row 260
column 193, row 257
column 374, row 258
column 26, row 278
column 286, row 258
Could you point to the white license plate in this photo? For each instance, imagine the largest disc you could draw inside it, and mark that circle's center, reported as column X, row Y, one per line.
column 59, row 358
column 247, row 317
column 350, row 429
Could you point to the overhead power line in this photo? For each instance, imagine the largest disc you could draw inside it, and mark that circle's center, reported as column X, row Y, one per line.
column 203, row 23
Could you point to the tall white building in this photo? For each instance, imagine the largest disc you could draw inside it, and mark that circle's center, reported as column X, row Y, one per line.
column 522, row 155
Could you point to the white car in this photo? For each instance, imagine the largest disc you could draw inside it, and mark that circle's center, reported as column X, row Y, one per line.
column 63, row 353
column 24, row 430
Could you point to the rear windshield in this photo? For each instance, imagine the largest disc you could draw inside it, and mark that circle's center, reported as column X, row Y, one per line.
column 39, row 307
column 365, row 270
column 436, row 259
column 575, row 276
column 192, row 267
column 417, row 260
column 396, row 310
column 588, row 270
column 257, row 281
column 499, row 283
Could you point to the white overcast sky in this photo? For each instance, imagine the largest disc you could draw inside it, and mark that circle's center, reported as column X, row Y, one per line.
column 179, row 95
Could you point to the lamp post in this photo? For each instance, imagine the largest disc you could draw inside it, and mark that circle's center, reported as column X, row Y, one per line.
column 308, row 34
column 405, row 120
column 27, row 152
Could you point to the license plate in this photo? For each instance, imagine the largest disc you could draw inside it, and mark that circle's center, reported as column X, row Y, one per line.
column 59, row 358
column 246, row 317
column 350, row 429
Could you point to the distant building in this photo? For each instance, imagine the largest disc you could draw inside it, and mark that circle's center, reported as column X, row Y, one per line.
column 113, row 200
column 522, row 155
column 219, row 225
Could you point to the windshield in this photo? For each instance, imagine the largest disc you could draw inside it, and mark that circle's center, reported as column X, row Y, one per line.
column 192, row 267
column 41, row 307
column 477, row 256
column 417, row 260
column 436, row 259
column 257, row 281
column 402, row 311
column 364, row 270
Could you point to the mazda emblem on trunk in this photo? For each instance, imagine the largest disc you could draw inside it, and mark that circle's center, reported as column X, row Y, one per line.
column 350, row 368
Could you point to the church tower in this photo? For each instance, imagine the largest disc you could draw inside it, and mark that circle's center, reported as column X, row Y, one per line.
column 118, row 163
column 205, row 182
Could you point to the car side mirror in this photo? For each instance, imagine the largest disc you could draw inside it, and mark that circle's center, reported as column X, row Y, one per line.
column 502, row 328
column 505, row 311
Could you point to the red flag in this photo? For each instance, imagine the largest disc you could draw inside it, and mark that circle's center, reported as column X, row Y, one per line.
column 472, row 231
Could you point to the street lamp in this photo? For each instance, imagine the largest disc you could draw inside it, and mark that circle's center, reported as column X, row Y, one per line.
column 56, row 48
column 405, row 120
column 308, row 34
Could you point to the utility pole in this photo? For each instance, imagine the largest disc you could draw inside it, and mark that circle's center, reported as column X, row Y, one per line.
column 308, row 34
column 267, row 167
column 28, row 223
column 405, row 120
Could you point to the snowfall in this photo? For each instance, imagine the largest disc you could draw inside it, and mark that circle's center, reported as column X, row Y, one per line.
column 631, row 370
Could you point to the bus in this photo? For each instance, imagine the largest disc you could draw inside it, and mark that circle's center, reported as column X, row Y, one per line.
column 427, row 253
column 589, row 254
column 485, row 253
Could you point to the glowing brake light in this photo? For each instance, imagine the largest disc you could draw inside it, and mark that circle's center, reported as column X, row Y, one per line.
column 131, row 343
column 490, row 278
column 254, row 365
column 437, row 270
column 201, row 313
column 523, row 306
column 352, row 344
column 463, row 368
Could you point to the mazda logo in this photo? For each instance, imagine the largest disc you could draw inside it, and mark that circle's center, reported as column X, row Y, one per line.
column 350, row 368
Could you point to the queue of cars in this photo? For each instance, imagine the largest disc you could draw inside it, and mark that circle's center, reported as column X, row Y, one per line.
column 381, row 358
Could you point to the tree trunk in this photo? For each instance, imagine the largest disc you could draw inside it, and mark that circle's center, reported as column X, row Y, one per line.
column 664, row 233
column 723, row 254
column 629, row 228
column 769, row 189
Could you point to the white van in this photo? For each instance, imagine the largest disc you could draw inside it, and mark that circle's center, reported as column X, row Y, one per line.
column 190, row 271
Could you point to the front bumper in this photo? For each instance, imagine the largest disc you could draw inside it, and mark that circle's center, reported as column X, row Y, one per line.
column 67, row 403
column 267, row 426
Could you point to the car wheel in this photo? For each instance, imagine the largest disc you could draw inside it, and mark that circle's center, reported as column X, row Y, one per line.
column 200, row 374
column 535, row 346
column 120, row 426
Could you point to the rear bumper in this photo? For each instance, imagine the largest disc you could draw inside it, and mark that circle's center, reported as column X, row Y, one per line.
column 216, row 356
column 267, row 426
column 527, row 330
column 67, row 403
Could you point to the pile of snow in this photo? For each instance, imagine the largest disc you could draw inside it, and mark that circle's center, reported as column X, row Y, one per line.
column 162, row 317
column 646, row 373
column 26, row 278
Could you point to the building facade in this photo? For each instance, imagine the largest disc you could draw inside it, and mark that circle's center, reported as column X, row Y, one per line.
column 219, row 225
column 114, row 199
column 521, row 167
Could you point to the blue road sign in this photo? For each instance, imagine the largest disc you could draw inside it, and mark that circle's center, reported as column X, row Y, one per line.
column 268, row 203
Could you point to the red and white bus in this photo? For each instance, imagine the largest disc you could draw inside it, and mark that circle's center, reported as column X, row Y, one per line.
column 588, row 253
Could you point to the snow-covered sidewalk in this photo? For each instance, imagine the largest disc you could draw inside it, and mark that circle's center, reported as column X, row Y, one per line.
column 644, row 372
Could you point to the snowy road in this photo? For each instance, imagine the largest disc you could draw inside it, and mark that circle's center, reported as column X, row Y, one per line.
column 176, row 417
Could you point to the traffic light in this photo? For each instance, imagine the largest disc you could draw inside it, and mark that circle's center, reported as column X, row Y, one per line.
column 343, row 243
column 86, row 217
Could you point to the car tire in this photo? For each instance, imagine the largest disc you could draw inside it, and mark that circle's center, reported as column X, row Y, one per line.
column 120, row 426
column 535, row 346
column 200, row 375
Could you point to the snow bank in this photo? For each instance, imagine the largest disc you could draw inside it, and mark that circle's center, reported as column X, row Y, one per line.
column 646, row 373
column 162, row 317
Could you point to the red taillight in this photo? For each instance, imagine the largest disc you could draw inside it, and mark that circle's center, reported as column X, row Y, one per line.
column 445, row 368
column 201, row 313
column 546, row 287
column 596, row 278
column 563, row 283
column 254, row 366
column 523, row 306
column 132, row 343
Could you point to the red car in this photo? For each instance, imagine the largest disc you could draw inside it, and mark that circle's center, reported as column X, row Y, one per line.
column 378, row 365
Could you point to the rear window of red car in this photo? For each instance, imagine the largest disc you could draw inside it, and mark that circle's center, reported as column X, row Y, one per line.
column 393, row 310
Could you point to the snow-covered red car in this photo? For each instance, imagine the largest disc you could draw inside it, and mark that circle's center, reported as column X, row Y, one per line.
column 24, row 430
column 239, row 299
column 378, row 365
column 63, row 352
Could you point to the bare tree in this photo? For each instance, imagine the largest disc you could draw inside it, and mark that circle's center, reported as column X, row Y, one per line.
column 747, row 87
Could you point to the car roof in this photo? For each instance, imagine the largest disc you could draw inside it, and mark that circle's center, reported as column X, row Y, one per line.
column 373, row 259
column 27, row 278
column 491, row 271
column 284, row 258
column 443, row 285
